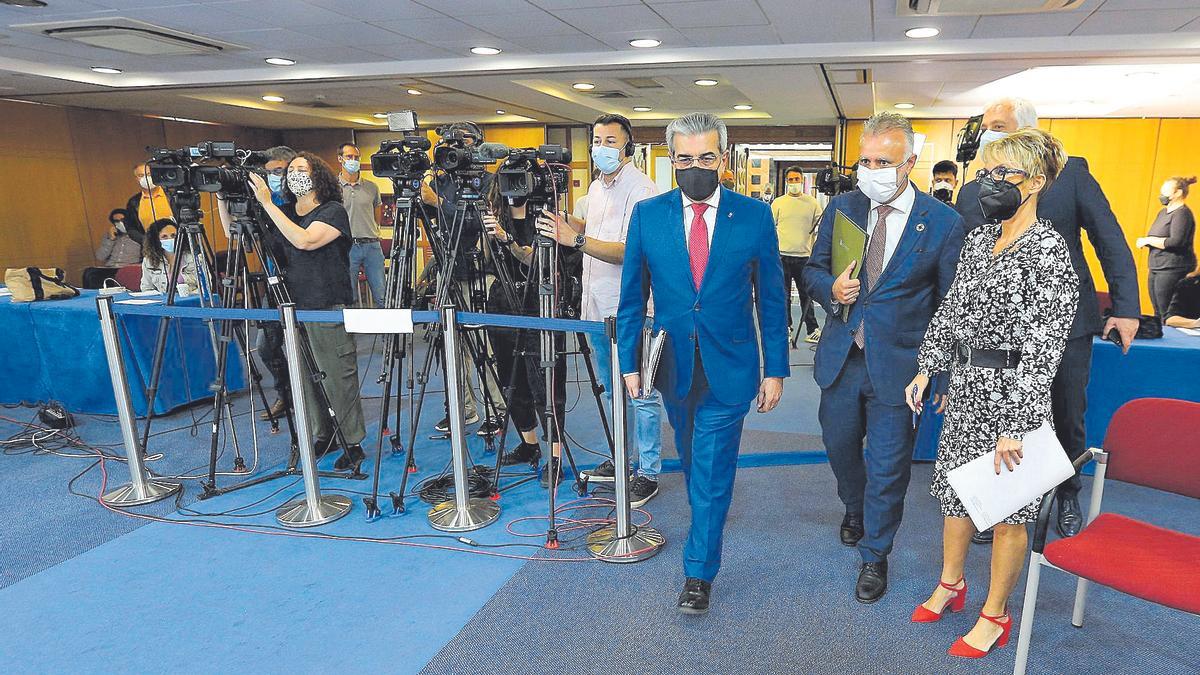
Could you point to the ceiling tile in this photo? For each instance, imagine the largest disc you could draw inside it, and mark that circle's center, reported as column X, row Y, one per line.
column 1025, row 25
column 282, row 13
column 1143, row 5
column 604, row 19
column 1136, row 22
column 723, row 37
column 580, row 4
column 519, row 24
column 351, row 34
column 462, row 8
column 836, row 22
column 435, row 30
column 410, row 50
column 712, row 13
column 333, row 55
column 378, row 10
column 270, row 38
column 670, row 38
column 558, row 44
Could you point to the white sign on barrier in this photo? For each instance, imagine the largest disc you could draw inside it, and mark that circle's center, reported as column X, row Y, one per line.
column 378, row 320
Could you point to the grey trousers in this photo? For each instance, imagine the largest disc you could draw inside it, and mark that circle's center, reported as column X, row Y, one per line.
column 336, row 356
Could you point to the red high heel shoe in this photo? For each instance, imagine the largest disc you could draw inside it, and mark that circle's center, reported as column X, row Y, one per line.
column 955, row 604
column 961, row 649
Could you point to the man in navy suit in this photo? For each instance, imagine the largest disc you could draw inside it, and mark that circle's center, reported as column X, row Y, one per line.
column 1074, row 203
column 864, row 361
column 707, row 254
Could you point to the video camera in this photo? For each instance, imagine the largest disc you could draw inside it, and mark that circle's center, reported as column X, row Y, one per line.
column 968, row 139
column 538, row 174
column 405, row 160
column 831, row 181
column 179, row 169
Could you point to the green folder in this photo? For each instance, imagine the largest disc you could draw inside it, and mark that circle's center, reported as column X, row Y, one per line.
column 849, row 245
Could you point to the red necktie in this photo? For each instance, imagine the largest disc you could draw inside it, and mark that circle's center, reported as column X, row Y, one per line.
column 698, row 243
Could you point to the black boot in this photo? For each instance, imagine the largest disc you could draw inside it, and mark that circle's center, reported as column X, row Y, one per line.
column 525, row 453
column 351, row 459
column 554, row 465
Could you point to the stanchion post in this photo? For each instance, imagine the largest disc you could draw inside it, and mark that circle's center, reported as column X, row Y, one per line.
column 461, row 514
column 621, row 542
column 313, row 508
column 141, row 489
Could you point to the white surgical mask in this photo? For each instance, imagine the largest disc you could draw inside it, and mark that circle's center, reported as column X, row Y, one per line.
column 120, row 225
column 351, row 165
column 795, row 188
column 880, row 185
column 299, row 183
column 606, row 159
column 145, row 182
column 943, row 185
column 987, row 137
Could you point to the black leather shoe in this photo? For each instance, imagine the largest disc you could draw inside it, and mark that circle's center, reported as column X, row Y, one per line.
column 351, row 459
column 872, row 582
column 852, row 529
column 984, row 537
column 1070, row 518
column 525, row 453
column 323, row 446
column 694, row 598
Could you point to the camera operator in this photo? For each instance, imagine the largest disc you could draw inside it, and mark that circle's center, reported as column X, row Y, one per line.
column 514, row 228
column 443, row 195
column 600, row 236
column 317, row 274
column 944, row 181
column 1073, row 203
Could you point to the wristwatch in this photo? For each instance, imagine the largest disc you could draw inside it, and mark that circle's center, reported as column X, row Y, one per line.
column 580, row 240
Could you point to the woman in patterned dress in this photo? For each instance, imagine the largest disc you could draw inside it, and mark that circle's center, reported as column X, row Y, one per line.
column 1010, row 308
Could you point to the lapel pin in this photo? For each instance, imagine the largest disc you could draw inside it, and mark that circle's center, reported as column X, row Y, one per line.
column 920, row 227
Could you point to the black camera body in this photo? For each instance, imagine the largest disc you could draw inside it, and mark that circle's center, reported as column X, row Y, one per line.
column 968, row 140
column 404, row 159
column 178, row 168
column 536, row 174
column 831, row 181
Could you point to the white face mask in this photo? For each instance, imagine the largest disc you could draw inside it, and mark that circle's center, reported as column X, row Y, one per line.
column 795, row 189
column 987, row 137
column 880, row 185
column 299, row 183
column 943, row 185
column 145, row 182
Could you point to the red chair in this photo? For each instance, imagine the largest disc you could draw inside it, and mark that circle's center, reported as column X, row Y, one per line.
column 130, row 276
column 1150, row 442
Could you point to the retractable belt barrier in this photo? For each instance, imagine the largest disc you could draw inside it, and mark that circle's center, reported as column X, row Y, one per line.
column 621, row 542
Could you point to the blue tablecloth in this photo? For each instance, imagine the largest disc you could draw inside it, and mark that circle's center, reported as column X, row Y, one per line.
column 1165, row 368
column 55, row 352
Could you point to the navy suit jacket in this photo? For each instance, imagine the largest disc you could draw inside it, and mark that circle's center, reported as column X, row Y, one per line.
column 743, row 265
column 1075, row 203
column 897, row 310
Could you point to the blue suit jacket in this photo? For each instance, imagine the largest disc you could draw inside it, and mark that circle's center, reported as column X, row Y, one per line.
column 897, row 310
column 1075, row 203
column 743, row 264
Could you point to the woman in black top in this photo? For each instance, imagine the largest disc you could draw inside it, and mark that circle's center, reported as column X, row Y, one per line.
column 317, row 276
column 1184, row 310
column 1170, row 241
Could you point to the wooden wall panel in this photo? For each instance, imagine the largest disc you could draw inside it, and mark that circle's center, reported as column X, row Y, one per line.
column 322, row 142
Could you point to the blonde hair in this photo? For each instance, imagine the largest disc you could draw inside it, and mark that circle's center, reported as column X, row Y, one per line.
column 1032, row 150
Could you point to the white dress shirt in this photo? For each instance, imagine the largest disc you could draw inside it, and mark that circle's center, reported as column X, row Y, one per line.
column 710, row 215
column 897, row 220
column 609, row 208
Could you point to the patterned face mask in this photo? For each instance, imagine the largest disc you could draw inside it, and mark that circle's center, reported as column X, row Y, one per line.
column 299, row 183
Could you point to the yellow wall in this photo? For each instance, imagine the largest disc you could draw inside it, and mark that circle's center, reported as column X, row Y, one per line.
column 1130, row 158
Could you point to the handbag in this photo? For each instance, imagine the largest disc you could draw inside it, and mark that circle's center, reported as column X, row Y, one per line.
column 32, row 283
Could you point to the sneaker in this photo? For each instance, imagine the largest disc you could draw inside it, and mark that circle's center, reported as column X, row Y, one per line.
column 444, row 425
column 642, row 490
column 525, row 453
column 605, row 473
column 490, row 427
column 813, row 337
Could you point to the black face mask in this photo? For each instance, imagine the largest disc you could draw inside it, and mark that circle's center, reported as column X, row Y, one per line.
column 943, row 195
column 999, row 200
column 697, row 182
column 1164, row 200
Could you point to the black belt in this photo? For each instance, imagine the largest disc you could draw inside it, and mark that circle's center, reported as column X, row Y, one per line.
column 986, row 358
column 366, row 240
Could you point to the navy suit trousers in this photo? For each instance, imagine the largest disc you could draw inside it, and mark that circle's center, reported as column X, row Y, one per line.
column 870, row 451
column 708, row 434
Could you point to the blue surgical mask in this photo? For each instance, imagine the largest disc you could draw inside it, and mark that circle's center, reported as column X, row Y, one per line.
column 351, row 165
column 168, row 245
column 987, row 137
column 275, row 183
column 606, row 159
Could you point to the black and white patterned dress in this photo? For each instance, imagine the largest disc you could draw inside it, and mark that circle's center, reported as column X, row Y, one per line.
column 1022, row 299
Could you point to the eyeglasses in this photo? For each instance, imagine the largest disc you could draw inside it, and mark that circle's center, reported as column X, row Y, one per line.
column 1001, row 173
column 277, row 172
column 708, row 160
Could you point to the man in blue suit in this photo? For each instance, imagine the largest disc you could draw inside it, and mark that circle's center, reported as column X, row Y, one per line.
column 864, row 361
column 707, row 254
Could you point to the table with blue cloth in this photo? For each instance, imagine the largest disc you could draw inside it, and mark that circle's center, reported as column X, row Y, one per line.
column 1168, row 367
column 55, row 353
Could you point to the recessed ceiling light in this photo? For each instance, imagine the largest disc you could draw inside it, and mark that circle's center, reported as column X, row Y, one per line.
column 280, row 61
column 499, row 112
column 485, row 51
column 706, row 83
column 583, row 86
column 645, row 43
column 642, row 108
column 905, row 106
column 414, row 92
column 922, row 32
column 107, row 70
column 380, row 116
column 743, row 106
column 273, row 99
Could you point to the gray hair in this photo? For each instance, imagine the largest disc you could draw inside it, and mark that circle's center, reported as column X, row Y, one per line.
column 694, row 124
column 1023, row 111
column 279, row 153
column 883, row 122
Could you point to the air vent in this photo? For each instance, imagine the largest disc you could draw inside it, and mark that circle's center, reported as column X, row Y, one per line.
column 642, row 82
column 906, row 8
column 607, row 94
column 130, row 36
column 849, row 75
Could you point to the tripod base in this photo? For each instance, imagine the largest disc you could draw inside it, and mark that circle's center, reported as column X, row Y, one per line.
column 128, row 495
column 643, row 543
column 297, row 513
column 479, row 513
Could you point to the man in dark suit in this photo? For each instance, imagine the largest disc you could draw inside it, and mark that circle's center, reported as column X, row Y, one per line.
column 1073, row 204
column 711, row 258
column 864, row 361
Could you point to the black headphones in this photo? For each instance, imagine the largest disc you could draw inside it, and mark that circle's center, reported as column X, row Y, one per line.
column 624, row 124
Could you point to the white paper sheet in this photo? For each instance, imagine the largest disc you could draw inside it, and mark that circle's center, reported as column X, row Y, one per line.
column 990, row 498
column 140, row 301
column 1190, row 331
column 378, row 320
column 143, row 294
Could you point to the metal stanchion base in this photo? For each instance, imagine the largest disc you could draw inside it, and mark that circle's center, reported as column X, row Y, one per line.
column 643, row 543
column 479, row 513
column 127, row 495
column 297, row 513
